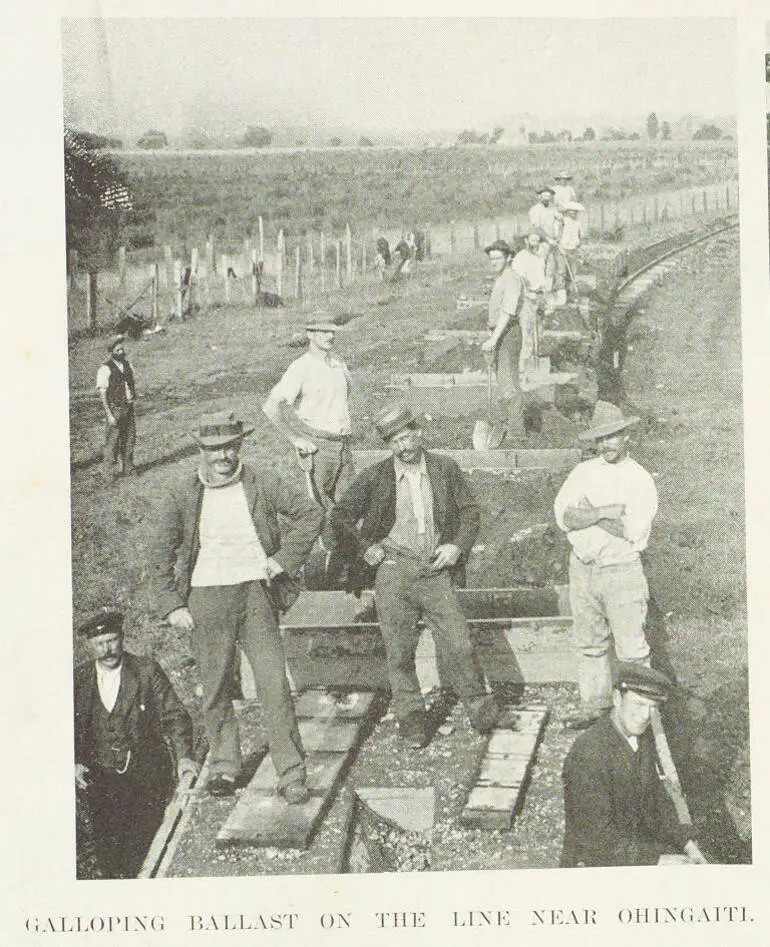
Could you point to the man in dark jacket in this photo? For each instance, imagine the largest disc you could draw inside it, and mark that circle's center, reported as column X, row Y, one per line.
column 125, row 711
column 223, row 571
column 117, row 392
column 418, row 521
column 617, row 811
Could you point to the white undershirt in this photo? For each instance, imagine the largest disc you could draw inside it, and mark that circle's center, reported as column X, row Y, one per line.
column 108, row 682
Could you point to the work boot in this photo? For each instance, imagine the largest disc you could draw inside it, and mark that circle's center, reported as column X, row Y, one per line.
column 413, row 730
column 484, row 714
column 295, row 794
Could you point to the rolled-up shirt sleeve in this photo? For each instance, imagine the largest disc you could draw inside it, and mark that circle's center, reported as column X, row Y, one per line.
column 640, row 512
column 569, row 494
column 103, row 378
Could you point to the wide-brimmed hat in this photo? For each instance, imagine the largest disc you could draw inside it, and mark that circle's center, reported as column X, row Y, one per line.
column 501, row 246
column 106, row 622
column 391, row 420
column 642, row 680
column 562, row 176
column 607, row 419
column 115, row 341
column 574, row 205
column 217, row 430
column 321, row 327
column 545, row 189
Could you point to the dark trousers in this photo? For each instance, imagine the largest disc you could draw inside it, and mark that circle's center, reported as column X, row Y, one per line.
column 405, row 592
column 225, row 617
column 124, row 816
column 119, row 439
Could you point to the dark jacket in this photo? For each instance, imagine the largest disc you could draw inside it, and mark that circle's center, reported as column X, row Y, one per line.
column 147, row 713
column 366, row 514
column 177, row 541
column 116, row 387
column 617, row 811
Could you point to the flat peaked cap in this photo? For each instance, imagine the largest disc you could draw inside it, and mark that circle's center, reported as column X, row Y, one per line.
column 501, row 246
column 321, row 327
column 642, row 680
column 107, row 622
column 217, row 430
column 115, row 340
column 607, row 419
column 390, row 421
column 545, row 189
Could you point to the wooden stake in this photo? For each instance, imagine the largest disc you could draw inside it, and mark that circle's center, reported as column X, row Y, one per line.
column 224, row 263
column 261, row 238
column 121, row 266
column 323, row 262
column 339, row 267
column 168, row 265
column 177, row 289
column 310, row 257
column 298, row 275
column 476, row 239
column 363, row 258
column 348, row 253
column 192, row 289
column 254, row 280
column 92, row 288
column 452, row 238
column 155, row 286
column 279, row 272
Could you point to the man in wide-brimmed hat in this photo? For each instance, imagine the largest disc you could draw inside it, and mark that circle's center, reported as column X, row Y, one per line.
column 563, row 191
column 616, row 809
column 503, row 347
column 309, row 405
column 545, row 217
column 223, row 569
column 606, row 507
column 408, row 524
column 117, row 393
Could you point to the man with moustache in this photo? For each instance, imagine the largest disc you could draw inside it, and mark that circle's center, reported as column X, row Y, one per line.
column 409, row 523
column 606, row 507
column 224, row 568
column 126, row 711
column 617, row 811
column 117, row 392
column 503, row 347
column 309, row 405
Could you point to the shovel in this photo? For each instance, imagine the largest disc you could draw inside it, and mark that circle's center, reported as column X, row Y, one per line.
column 486, row 434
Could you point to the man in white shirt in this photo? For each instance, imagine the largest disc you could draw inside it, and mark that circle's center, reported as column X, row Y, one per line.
column 126, row 712
column 530, row 266
column 309, row 405
column 117, row 393
column 224, row 567
column 563, row 191
column 606, row 507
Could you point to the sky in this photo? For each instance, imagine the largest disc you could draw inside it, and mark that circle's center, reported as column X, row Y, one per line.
column 430, row 73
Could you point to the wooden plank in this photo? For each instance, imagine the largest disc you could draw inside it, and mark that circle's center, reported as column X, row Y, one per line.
column 322, row 704
column 265, row 819
column 502, row 771
column 328, row 736
column 410, row 809
column 171, row 817
column 323, row 770
column 496, row 461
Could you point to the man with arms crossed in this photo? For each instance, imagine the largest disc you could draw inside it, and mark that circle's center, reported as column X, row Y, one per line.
column 310, row 406
column 617, row 811
column 606, row 507
column 224, row 569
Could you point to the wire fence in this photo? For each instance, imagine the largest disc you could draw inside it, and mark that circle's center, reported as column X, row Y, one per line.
column 273, row 268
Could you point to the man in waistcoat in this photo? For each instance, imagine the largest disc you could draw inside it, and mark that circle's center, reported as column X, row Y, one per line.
column 408, row 524
column 117, row 392
column 224, row 568
column 126, row 711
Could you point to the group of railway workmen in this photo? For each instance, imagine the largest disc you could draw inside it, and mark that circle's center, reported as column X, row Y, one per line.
column 226, row 561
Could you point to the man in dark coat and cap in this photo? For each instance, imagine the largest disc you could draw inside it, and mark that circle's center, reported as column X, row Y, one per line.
column 126, row 714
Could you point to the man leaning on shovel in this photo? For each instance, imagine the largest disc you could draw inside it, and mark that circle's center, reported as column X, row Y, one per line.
column 503, row 347
column 309, row 405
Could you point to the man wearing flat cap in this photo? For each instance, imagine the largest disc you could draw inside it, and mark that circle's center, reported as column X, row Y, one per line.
column 223, row 569
column 408, row 523
column 617, row 811
column 309, row 405
column 117, row 393
column 503, row 347
column 606, row 507
column 126, row 712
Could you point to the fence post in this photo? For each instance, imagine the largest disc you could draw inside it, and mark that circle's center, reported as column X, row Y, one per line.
column 657, row 210
column 168, row 265
column 224, row 263
column 192, row 289
column 121, row 267
column 298, row 276
column 363, row 258
column 348, row 253
column 177, row 289
column 601, row 219
column 92, row 288
column 727, row 196
column 310, row 257
column 323, row 262
column 155, row 282
column 210, row 254
column 692, row 196
column 617, row 214
column 644, row 211
column 476, row 239
column 452, row 238
column 261, row 238
column 339, row 266
column 279, row 275
column 705, row 202
column 254, row 280
column 246, row 255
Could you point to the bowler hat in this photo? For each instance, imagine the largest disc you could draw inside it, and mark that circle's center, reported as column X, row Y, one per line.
column 217, row 430
column 642, row 680
column 501, row 246
column 321, row 327
column 607, row 419
column 106, row 622
column 115, row 341
column 390, row 421
column 545, row 189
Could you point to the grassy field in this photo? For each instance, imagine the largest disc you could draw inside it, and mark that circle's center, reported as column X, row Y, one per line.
column 683, row 376
column 187, row 196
